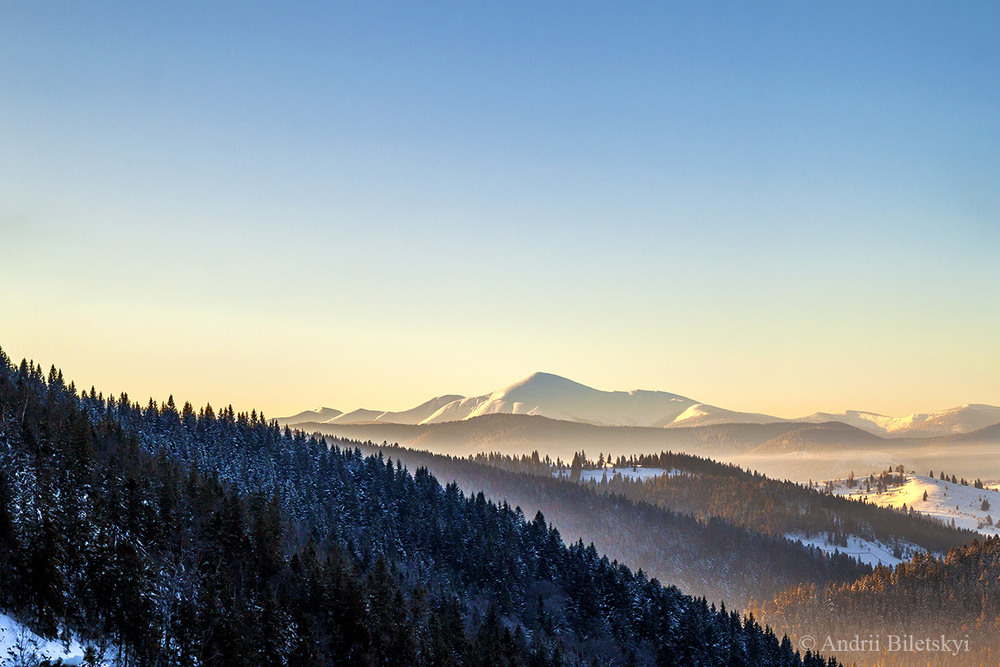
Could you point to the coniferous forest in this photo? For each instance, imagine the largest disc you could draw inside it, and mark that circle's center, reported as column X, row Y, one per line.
column 956, row 598
column 161, row 535
column 589, row 335
column 710, row 556
column 710, row 490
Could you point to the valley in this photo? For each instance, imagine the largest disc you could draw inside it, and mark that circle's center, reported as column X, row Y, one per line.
column 493, row 334
column 547, row 413
column 694, row 533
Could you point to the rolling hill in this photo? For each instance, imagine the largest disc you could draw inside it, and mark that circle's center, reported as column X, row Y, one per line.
column 154, row 535
column 522, row 434
column 317, row 415
column 415, row 415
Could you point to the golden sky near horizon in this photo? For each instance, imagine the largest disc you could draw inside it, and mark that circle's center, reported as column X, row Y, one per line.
column 338, row 208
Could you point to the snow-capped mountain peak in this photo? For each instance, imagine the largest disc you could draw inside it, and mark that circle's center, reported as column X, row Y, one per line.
column 556, row 397
column 962, row 419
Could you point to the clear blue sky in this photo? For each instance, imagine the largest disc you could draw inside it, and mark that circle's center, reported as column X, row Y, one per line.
column 781, row 207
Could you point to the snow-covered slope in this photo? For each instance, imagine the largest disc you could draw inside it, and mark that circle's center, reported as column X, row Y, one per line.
column 420, row 413
column 21, row 646
column 359, row 416
column 871, row 552
column 700, row 414
column 317, row 415
column 945, row 501
column 963, row 419
column 412, row 416
column 556, row 397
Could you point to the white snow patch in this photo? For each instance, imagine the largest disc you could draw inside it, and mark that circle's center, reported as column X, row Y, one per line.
column 962, row 419
column 700, row 414
column 867, row 551
column 945, row 500
column 19, row 645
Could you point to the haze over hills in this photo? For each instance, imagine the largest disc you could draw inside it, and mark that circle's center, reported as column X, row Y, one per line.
column 784, row 450
column 962, row 419
column 556, row 416
column 556, row 397
column 522, row 434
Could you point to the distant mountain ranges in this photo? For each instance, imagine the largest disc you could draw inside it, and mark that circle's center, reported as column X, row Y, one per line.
column 578, row 406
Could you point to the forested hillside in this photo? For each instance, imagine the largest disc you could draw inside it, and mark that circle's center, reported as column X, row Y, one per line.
column 776, row 507
column 174, row 537
column 708, row 490
column 710, row 557
column 956, row 598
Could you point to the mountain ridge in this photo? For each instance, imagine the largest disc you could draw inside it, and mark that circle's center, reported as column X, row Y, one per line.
column 319, row 414
column 549, row 395
column 555, row 397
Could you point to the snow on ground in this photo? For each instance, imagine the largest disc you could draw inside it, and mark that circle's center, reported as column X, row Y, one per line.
column 21, row 646
column 945, row 500
column 628, row 472
column 867, row 551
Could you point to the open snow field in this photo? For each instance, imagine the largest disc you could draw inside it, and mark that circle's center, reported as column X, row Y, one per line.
column 869, row 552
column 21, row 646
column 945, row 501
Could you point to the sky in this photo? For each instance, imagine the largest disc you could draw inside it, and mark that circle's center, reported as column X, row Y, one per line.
column 775, row 207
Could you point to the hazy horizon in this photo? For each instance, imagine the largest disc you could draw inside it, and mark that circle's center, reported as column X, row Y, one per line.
column 604, row 389
column 780, row 209
column 349, row 407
